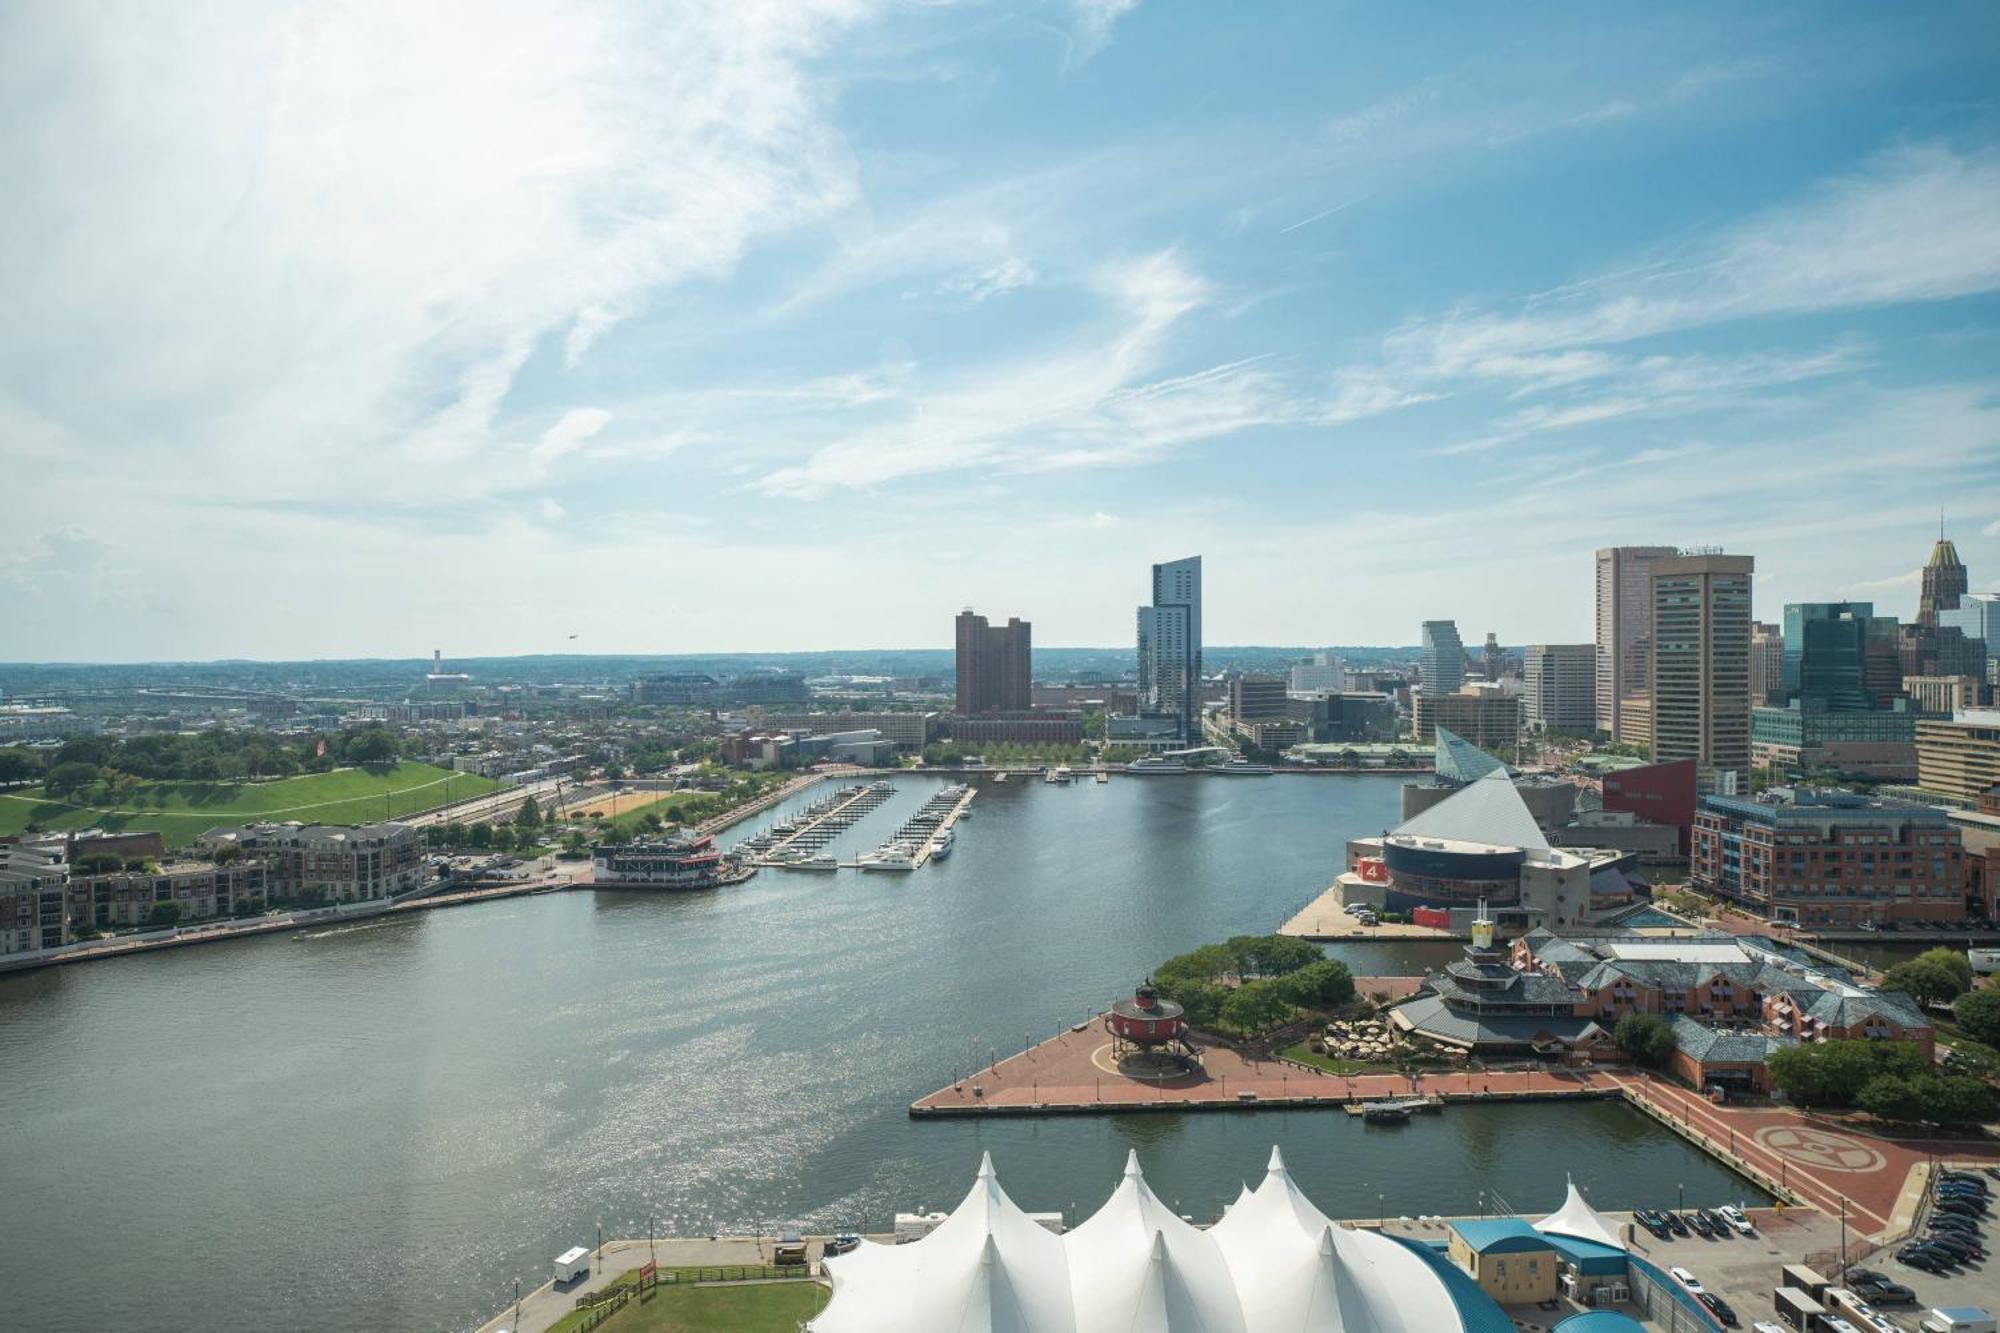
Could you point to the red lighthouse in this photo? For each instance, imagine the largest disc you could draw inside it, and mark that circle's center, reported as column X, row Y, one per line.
column 1147, row 1024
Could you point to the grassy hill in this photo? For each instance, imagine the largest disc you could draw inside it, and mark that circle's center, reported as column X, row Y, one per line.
column 183, row 810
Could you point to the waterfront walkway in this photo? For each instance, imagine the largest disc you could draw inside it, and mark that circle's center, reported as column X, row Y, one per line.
column 542, row 1307
column 1833, row 1165
column 1326, row 918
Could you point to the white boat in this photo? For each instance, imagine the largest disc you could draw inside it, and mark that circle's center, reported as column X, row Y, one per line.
column 1240, row 767
column 1060, row 775
column 1155, row 764
column 888, row 860
column 821, row 862
column 941, row 846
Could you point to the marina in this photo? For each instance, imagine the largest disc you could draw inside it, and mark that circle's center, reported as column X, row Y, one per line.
column 798, row 841
column 926, row 835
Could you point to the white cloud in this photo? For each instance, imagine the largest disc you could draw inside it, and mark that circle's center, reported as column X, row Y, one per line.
column 1094, row 21
column 576, row 427
column 1006, row 275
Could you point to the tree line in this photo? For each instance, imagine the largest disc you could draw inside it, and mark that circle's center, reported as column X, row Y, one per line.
column 110, row 765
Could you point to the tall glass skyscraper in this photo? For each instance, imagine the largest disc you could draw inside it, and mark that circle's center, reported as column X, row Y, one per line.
column 1826, row 654
column 1443, row 660
column 1170, row 645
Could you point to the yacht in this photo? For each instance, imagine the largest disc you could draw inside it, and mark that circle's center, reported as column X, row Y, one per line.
column 1059, row 775
column 941, row 845
column 1153, row 763
column 888, row 859
column 821, row 862
column 1240, row 767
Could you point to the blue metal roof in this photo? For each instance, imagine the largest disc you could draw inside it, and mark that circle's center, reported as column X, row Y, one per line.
column 1592, row 1258
column 1600, row 1321
column 1500, row 1235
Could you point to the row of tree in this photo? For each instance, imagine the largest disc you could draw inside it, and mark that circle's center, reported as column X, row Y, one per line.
column 1251, row 983
column 1891, row 1079
column 102, row 765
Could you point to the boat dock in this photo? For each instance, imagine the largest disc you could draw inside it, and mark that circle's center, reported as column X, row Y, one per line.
column 918, row 840
column 789, row 842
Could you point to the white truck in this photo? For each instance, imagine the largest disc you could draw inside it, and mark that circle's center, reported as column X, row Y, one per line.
column 1958, row 1319
column 572, row 1264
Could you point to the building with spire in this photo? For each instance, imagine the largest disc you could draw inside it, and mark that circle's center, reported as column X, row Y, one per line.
column 1944, row 581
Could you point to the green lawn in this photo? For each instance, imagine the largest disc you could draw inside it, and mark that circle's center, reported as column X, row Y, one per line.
column 636, row 806
column 183, row 810
column 1304, row 1055
column 749, row 1307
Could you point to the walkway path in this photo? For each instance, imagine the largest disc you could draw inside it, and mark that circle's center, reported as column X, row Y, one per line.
column 1326, row 918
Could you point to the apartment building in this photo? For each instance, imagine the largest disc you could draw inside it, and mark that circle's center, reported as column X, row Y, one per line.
column 329, row 863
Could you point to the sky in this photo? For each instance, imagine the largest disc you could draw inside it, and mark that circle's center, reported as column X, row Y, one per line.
column 364, row 329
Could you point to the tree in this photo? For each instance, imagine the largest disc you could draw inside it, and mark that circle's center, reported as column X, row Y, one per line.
column 164, row 914
column 69, row 777
column 369, row 745
column 480, row 835
column 1932, row 977
column 19, row 765
column 1326, row 984
column 530, row 814
column 1930, row 1098
column 1833, row 1073
column 1254, row 1006
column 97, row 863
column 1647, row 1038
column 227, row 853
column 1979, row 1015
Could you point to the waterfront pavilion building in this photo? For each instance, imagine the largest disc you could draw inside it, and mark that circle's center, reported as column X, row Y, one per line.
column 1273, row 1264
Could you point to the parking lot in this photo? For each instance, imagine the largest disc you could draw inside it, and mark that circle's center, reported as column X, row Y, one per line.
column 1743, row 1270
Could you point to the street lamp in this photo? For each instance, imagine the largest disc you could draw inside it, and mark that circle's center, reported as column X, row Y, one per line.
column 1684, row 1197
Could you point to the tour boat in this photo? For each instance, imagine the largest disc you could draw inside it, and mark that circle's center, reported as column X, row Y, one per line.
column 1243, row 768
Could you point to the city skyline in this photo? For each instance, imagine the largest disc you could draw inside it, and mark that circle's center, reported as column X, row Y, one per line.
column 400, row 343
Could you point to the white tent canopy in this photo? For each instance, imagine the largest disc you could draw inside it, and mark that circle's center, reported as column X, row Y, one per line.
column 1273, row 1264
column 1579, row 1221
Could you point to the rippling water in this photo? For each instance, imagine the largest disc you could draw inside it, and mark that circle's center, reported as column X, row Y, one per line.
column 382, row 1128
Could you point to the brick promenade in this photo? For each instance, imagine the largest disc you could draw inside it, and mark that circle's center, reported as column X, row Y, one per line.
column 1828, row 1163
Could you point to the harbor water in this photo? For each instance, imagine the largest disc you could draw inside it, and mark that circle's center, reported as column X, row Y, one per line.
column 384, row 1125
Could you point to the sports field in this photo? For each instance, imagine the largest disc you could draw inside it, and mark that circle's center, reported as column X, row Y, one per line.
column 183, row 810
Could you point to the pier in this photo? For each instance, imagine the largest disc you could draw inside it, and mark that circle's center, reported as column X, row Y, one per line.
column 786, row 844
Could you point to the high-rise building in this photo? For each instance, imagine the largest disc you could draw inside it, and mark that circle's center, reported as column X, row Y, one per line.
column 1561, row 686
column 1443, row 659
column 1256, row 698
column 995, row 672
column 1492, row 658
column 1977, row 616
column 1700, row 659
column 1170, row 645
column 1624, row 624
column 1323, row 675
column 1489, row 717
column 1883, row 669
column 1767, row 664
column 1944, row 582
column 1826, row 654
column 1959, row 756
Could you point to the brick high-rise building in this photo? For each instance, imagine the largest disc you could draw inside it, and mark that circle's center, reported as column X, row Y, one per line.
column 1944, row 583
column 1624, row 623
column 995, row 671
column 1700, row 660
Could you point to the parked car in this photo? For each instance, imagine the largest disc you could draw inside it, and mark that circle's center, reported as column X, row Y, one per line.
column 843, row 1243
column 1885, row 1292
column 1686, row 1279
column 1676, row 1224
column 1926, row 1259
column 1702, row 1226
column 1953, row 1222
column 1734, row 1216
column 1718, row 1307
column 1962, row 1246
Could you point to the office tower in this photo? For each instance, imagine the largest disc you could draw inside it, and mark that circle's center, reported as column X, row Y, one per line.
column 1700, row 659
column 1323, row 675
column 1826, row 655
column 1944, row 582
column 1767, row 665
column 1561, row 686
column 1883, row 669
column 1977, row 617
column 1624, row 620
column 995, row 674
column 1256, row 698
column 1492, row 659
column 1170, row 645
column 1443, row 660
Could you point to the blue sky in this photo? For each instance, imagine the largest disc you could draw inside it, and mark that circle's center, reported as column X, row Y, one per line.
column 362, row 330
